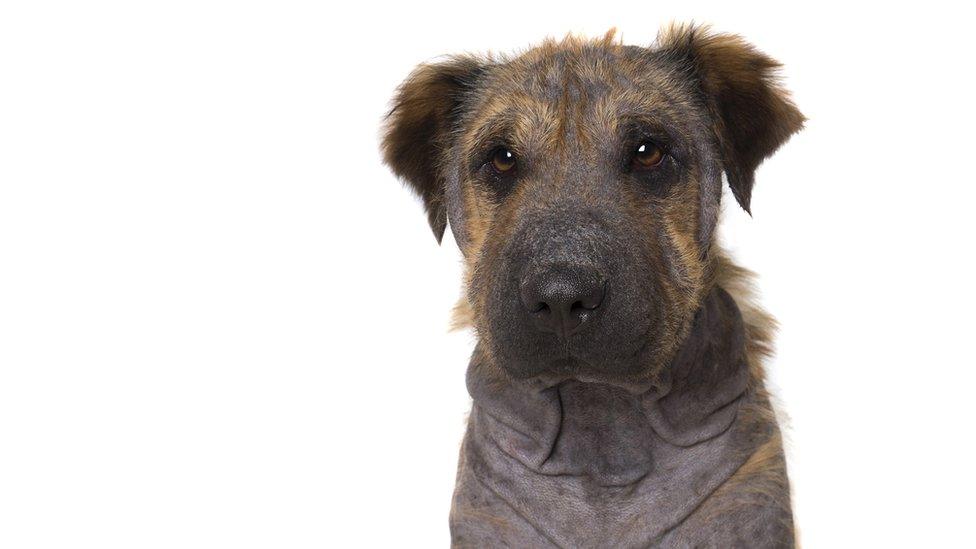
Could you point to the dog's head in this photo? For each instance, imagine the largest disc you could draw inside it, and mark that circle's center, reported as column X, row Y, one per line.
column 582, row 180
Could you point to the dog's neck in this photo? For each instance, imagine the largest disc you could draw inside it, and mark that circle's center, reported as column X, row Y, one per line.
column 610, row 436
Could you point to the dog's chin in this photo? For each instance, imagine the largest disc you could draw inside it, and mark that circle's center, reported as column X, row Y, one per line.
column 636, row 378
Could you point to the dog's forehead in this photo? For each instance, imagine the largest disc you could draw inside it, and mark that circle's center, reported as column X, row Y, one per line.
column 553, row 70
column 575, row 82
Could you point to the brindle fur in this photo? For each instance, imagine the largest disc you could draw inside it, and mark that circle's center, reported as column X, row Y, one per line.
column 570, row 109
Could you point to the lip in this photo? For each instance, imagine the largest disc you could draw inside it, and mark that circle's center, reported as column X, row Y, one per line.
column 646, row 385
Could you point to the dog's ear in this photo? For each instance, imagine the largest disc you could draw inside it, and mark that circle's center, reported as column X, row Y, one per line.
column 419, row 127
column 752, row 114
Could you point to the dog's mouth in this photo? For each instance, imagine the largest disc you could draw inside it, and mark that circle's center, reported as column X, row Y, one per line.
column 631, row 363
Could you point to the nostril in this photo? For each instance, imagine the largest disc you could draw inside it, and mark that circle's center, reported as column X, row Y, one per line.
column 541, row 308
column 586, row 305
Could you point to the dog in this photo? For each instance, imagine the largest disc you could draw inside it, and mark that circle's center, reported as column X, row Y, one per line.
column 617, row 379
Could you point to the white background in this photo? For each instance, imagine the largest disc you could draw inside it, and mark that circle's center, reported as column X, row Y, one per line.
column 223, row 322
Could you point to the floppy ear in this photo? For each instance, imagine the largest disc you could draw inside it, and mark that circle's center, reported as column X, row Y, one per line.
column 419, row 126
column 752, row 114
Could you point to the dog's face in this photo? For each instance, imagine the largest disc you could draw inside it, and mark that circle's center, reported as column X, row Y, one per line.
column 582, row 181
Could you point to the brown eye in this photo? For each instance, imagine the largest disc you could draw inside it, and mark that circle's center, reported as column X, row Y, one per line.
column 648, row 155
column 503, row 160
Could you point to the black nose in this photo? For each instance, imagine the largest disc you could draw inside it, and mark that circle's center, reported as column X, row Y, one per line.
column 562, row 300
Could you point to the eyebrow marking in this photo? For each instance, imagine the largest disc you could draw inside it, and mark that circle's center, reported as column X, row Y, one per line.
column 518, row 121
column 495, row 128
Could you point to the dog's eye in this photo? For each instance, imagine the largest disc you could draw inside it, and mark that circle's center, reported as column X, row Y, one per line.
column 648, row 155
column 503, row 160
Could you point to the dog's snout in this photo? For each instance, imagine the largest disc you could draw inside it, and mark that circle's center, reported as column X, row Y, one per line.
column 562, row 300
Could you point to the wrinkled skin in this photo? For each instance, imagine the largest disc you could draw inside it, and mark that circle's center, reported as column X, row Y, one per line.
column 617, row 389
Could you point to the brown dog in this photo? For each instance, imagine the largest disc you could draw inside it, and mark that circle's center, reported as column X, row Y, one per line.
column 617, row 380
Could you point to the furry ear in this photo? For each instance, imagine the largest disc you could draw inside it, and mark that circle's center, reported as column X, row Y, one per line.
column 419, row 126
column 752, row 114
